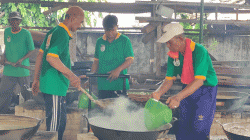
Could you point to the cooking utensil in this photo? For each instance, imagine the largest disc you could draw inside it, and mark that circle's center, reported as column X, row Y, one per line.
column 234, row 135
column 92, row 99
column 112, row 134
column 18, row 127
column 90, row 75
column 84, row 101
column 19, row 65
column 156, row 114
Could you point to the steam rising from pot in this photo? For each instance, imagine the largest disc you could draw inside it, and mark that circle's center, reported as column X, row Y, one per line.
column 126, row 116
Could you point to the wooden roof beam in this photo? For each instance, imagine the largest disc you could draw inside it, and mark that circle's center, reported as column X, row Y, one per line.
column 94, row 6
column 54, row 9
column 159, row 19
column 196, row 4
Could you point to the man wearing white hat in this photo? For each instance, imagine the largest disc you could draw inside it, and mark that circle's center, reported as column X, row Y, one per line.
column 197, row 100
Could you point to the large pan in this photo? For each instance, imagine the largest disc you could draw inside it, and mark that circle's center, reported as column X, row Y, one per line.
column 112, row 134
column 230, row 104
column 103, row 133
column 237, row 130
column 18, row 127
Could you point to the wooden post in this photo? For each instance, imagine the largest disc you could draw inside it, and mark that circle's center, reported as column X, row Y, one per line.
column 152, row 49
column 237, row 14
column 175, row 12
column 164, row 52
column 201, row 22
column 216, row 13
column 152, row 56
column 158, row 49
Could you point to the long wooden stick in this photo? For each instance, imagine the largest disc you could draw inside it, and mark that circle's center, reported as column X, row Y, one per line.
column 92, row 99
column 22, row 66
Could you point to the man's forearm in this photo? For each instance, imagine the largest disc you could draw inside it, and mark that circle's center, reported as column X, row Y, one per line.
column 126, row 64
column 27, row 55
column 190, row 88
column 38, row 64
column 165, row 86
column 58, row 65
column 95, row 66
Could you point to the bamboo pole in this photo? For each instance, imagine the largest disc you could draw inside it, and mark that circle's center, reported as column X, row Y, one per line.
column 201, row 22
column 158, row 49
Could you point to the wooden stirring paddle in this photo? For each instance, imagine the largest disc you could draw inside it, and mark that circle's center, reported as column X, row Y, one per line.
column 92, row 99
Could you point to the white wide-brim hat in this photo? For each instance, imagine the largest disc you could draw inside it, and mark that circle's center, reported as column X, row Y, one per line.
column 170, row 30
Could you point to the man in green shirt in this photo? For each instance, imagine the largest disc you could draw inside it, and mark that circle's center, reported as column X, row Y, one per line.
column 53, row 70
column 19, row 46
column 113, row 55
column 197, row 100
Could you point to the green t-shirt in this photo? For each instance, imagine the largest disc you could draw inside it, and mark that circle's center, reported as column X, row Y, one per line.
column 56, row 43
column 17, row 45
column 112, row 55
column 202, row 64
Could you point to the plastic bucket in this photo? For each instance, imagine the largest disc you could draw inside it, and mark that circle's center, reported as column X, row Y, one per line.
column 156, row 114
column 84, row 101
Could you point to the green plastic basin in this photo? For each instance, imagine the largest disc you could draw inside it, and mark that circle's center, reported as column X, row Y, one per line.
column 156, row 114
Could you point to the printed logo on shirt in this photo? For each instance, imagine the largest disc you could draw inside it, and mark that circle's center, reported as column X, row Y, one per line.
column 48, row 41
column 103, row 48
column 201, row 117
column 8, row 39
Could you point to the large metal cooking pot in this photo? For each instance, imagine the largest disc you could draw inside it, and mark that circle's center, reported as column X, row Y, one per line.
column 230, row 104
column 18, row 127
column 112, row 134
column 235, row 135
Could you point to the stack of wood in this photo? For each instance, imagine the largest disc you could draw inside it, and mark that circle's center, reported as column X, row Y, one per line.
column 231, row 70
column 232, row 75
column 139, row 96
column 229, row 81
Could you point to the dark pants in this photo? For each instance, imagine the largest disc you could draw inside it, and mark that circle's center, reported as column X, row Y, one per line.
column 197, row 114
column 103, row 94
column 56, row 113
column 7, row 87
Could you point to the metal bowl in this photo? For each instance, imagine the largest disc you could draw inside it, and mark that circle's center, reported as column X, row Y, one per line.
column 18, row 127
column 230, row 104
column 104, row 133
column 235, row 135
